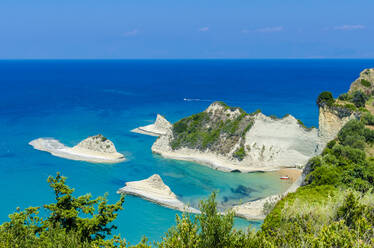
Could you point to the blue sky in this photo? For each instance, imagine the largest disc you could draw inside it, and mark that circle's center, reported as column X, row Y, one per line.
column 167, row 29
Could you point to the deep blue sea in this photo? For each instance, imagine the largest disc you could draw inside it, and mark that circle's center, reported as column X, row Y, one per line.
column 70, row 100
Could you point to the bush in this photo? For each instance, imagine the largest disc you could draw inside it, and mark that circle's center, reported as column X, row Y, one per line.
column 367, row 118
column 359, row 99
column 345, row 97
column 325, row 98
column 72, row 222
column 239, row 153
column 365, row 83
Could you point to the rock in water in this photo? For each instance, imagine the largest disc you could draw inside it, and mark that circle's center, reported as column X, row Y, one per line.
column 97, row 143
column 160, row 127
column 96, row 149
column 155, row 190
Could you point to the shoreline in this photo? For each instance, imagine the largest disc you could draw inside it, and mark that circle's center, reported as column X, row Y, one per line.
column 218, row 163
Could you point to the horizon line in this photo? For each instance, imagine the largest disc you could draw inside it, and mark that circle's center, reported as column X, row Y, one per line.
column 285, row 58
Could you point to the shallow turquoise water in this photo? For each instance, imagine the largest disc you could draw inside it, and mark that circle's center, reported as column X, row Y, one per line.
column 70, row 100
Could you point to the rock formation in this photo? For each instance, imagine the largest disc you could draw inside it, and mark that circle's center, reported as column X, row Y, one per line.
column 365, row 82
column 229, row 139
column 160, row 127
column 155, row 190
column 331, row 120
column 96, row 149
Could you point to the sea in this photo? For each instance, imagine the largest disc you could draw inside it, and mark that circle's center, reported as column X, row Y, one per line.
column 70, row 100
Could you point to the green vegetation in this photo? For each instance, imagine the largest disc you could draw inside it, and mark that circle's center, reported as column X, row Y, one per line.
column 359, row 99
column 325, row 98
column 334, row 207
column 206, row 130
column 365, row 83
column 71, row 222
column 345, row 97
column 240, row 153
column 367, row 118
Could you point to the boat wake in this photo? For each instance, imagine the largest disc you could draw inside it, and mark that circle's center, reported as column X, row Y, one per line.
column 196, row 100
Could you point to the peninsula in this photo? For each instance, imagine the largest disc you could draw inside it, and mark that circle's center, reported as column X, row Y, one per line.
column 229, row 139
column 155, row 190
column 95, row 149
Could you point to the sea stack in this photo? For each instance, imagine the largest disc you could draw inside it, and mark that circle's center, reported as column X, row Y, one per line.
column 95, row 149
column 155, row 190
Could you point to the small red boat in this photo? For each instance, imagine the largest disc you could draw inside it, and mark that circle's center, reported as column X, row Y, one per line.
column 284, row 178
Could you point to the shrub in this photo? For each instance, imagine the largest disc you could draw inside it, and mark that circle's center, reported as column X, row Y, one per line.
column 365, row 83
column 325, row 98
column 72, row 222
column 345, row 97
column 239, row 153
column 359, row 99
column 367, row 118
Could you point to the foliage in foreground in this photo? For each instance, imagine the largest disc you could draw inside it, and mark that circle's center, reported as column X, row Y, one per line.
column 71, row 222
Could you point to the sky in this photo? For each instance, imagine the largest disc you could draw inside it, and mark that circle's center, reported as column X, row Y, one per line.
column 186, row 29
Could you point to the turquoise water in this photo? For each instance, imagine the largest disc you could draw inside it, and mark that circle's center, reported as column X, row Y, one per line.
column 70, row 100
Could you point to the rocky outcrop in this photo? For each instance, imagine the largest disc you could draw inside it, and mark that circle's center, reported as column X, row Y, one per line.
column 242, row 142
column 97, row 143
column 331, row 120
column 160, row 127
column 365, row 82
column 153, row 189
column 255, row 210
column 96, row 149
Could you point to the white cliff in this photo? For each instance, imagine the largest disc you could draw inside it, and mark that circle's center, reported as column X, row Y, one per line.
column 96, row 149
column 160, row 127
column 154, row 189
column 269, row 144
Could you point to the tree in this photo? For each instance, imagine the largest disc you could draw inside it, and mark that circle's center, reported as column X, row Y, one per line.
column 325, row 98
column 72, row 222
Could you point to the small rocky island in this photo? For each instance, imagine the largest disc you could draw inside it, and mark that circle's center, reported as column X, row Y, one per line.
column 95, row 149
column 155, row 190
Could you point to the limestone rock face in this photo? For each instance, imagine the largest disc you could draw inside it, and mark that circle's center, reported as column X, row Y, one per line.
column 162, row 124
column 155, row 190
column 220, row 110
column 95, row 149
column 365, row 82
column 160, row 127
column 154, row 184
column 331, row 120
column 97, row 143
column 268, row 143
column 280, row 142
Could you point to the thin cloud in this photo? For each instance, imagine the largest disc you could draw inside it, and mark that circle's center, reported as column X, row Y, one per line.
column 204, row 29
column 131, row 33
column 269, row 29
column 349, row 27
